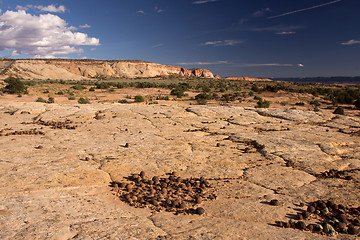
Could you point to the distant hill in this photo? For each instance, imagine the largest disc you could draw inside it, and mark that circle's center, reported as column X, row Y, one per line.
column 327, row 80
column 65, row 69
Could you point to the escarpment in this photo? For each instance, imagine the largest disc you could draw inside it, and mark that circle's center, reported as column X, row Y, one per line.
column 65, row 69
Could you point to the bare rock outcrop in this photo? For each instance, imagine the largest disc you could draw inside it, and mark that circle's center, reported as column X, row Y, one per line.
column 250, row 157
column 65, row 69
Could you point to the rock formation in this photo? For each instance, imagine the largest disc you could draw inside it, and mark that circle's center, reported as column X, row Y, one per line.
column 65, row 69
column 57, row 185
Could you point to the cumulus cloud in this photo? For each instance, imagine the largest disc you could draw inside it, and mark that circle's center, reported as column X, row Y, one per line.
column 46, row 35
column 223, row 43
column 203, row 1
column 300, row 65
column 140, row 12
column 351, row 42
column 204, row 63
column 49, row 8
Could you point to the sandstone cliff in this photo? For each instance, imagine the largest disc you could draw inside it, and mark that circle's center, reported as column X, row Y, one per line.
column 89, row 69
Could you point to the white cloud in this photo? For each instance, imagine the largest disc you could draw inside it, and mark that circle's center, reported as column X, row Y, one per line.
column 305, row 9
column 285, row 33
column 223, row 43
column 301, row 65
column 267, row 65
column 158, row 10
column 85, row 26
column 203, row 1
column 140, row 12
column 278, row 28
column 261, row 12
column 157, row 45
column 351, row 42
column 46, row 35
column 204, row 63
column 49, row 8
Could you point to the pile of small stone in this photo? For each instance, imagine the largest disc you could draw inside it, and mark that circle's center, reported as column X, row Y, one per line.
column 331, row 219
column 172, row 193
column 21, row 132
column 57, row 124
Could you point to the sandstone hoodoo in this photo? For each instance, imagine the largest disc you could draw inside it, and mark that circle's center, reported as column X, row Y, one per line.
column 65, row 69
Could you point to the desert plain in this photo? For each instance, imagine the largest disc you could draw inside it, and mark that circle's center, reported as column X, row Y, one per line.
column 59, row 163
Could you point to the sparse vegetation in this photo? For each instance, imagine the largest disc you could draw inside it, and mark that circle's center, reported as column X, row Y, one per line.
column 139, row 98
column 83, row 100
column 50, row 100
column 263, row 104
column 78, row 87
column 14, row 85
column 339, row 110
column 123, row 101
column 40, row 99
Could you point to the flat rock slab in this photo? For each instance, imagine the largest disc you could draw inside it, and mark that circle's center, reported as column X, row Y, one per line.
column 56, row 185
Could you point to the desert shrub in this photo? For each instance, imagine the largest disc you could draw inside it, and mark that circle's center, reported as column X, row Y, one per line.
column 102, row 85
column 263, row 104
column 123, row 101
column 178, row 92
column 155, row 102
column 203, row 96
column 339, row 110
column 315, row 102
column 251, row 93
column 59, row 93
column 72, row 97
column 206, row 89
column 83, row 100
column 300, row 104
column 139, row 98
column 201, row 101
column 271, row 88
column 78, row 87
column 357, row 103
column 145, row 85
column 255, row 88
column 92, row 89
column 257, row 98
column 50, row 100
column 40, row 99
column 14, row 85
column 316, row 109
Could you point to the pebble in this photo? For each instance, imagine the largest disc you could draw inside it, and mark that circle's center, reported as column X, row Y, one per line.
column 200, row 210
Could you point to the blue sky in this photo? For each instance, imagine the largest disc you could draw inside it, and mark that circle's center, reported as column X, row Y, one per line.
column 254, row 38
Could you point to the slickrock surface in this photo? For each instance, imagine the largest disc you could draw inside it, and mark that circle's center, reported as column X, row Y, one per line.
column 57, row 185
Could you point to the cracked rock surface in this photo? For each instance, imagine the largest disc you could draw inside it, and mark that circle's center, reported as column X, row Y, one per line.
column 57, row 185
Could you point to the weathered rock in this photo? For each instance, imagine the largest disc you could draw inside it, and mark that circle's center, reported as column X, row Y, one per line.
column 54, row 69
column 52, row 192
